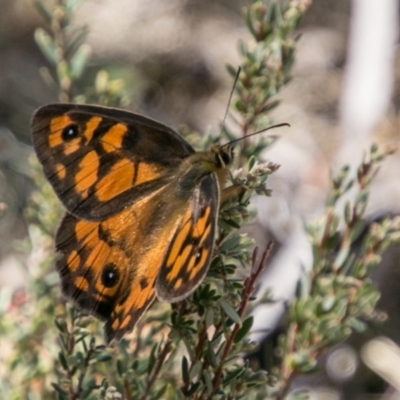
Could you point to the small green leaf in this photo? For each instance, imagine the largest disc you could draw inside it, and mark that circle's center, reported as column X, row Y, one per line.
column 270, row 106
column 231, row 242
column 357, row 325
column 46, row 45
column 159, row 393
column 341, row 258
column 244, row 330
column 272, row 12
column 211, row 355
column 104, row 357
column 230, row 312
column 328, row 303
column 209, row 319
column 63, row 361
column 303, row 286
column 232, row 375
column 348, row 212
column 193, row 389
column 361, row 203
column 195, row 370
column 79, row 60
column 357, row 230
column 208, row 380
column 185, row 369
column 59, row 389
column 120, row 368
column 227, row 224
column 252, row 162
column 101, row 81
column 77, row 41
column 231, row 70
column 43, row 11
column 61, row 325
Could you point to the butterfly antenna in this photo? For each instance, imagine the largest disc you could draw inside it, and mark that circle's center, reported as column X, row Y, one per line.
column 230, row 98
column 257, row 133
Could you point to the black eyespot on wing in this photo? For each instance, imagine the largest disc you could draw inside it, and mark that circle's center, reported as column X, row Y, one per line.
column 110, row 275
column 143, row 283
column 70, row 132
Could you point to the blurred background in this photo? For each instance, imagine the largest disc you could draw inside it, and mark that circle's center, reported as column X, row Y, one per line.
column 344, row 93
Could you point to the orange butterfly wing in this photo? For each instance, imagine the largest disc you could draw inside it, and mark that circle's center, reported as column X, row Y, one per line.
column 100, row 159
column 114, row 268
column 189, row 253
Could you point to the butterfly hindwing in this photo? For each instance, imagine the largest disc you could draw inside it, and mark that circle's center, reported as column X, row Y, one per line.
column 110, row 267
column 99, row 160
column 190, row 250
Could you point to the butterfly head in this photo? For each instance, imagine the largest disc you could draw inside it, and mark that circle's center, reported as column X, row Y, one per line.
column 223, row 155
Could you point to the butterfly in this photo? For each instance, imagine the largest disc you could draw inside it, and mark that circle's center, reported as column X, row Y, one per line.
column 141, row 205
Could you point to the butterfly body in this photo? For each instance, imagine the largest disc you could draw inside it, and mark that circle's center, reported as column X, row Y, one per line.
column 141, row 208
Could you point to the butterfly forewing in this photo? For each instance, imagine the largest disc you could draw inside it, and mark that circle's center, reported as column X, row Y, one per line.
column 99, row 160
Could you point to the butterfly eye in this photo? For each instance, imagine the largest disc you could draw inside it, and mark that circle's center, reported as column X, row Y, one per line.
column 225, row 156
column 70, row 132
column 110, row 275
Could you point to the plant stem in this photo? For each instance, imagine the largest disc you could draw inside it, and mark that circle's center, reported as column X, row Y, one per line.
column 157, row 368
column 248, row 289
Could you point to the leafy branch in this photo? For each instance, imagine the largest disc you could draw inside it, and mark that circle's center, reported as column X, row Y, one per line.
column 241, row 328
column 63, row 46
column 337, row 297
